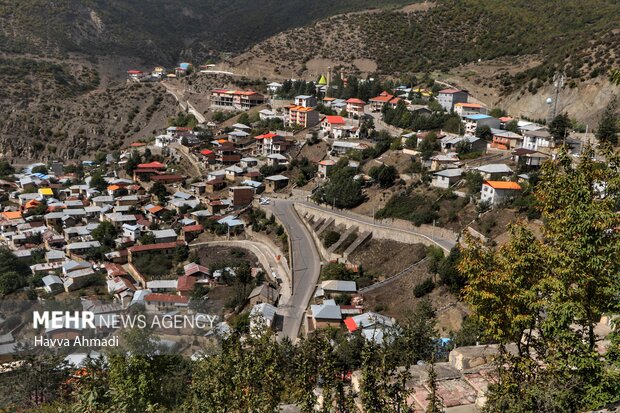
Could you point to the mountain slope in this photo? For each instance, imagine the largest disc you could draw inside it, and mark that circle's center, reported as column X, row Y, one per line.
column 156, row 30
column 576, row 36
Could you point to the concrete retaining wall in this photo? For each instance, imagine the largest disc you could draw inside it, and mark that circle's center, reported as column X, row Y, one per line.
column 376, row 229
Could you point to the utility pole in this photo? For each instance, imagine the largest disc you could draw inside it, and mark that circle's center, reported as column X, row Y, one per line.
column 558, row 84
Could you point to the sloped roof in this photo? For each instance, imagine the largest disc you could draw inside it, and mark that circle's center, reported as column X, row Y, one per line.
column 503, row 185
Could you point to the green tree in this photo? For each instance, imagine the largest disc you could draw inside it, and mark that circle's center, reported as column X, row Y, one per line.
column 36, row 381
column 385, row 175
column 6, row 168
column 13, row 273
column 546, row 294
column 147, row 238
column 428, row 146
column 513, row 126
column 453, row 124
column 330, row 238
column 159, row 190
column 474, row 181
column 98, row 182
column 342, row 190
column 245, row 377
column 560, row 126
column 614, row 76
column 132, row 163
column 608, row 128
column 484, row 132
column 105, row 233
column 435, row 404
column 498, row 113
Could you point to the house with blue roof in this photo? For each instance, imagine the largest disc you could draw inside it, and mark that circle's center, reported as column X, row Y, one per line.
column 473, row 122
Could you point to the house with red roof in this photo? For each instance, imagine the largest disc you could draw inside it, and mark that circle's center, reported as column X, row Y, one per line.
column 355, row 107
column 328, row 123
column 236, row 99
column 167, row 248
column 208, row 156
column 152, row 165
column 303, row 116
column 270, row 143
column 377, row 103
column 165, row 302
column 168, row 178
column 190, row 232
column 144, row 174
column 447, row 98
column 185, row 285
column 135, row 74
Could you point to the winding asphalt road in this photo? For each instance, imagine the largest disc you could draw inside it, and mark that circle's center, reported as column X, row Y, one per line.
column 306, row 267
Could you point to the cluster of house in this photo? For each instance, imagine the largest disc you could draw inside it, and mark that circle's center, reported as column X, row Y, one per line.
column 530, row 145
column 325, row 312
column 233, row 162
column 159, row 73
column 51, row 219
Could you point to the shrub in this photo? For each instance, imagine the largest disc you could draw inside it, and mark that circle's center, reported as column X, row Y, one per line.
column 330, row 238
column 423, row 288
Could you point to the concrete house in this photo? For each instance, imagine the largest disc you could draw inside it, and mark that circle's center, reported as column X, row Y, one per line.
column 330, row 122
column 324, row 315
column 163, row 236
column 301, row 115
column 473, row 122
column 355, row 107
column 263, row 314
column 505, row 140
column 305, row 101
column 276, row 159
column 538, row 140
column 275, row 182
column 496, row 192
column 494, row 171
column 263, row 294
column 339, row 287
column 446, row 178
column 529, row 157
column 241, row 195
column 52, row 284
column 325, row 166
column 236, row 99
column 447, row 98
column 464, row 109
column 450, row 143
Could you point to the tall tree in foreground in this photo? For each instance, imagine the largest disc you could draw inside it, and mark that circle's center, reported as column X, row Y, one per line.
column 435, row 405
column 608, row 128
column 544, row 295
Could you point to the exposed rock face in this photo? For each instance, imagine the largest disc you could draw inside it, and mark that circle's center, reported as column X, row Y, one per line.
column 50, row 109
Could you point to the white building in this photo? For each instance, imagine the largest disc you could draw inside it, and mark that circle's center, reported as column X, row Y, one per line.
column 446, row 178
column 496, row 192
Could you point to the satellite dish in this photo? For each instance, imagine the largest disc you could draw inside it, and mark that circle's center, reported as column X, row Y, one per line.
column 549, row 101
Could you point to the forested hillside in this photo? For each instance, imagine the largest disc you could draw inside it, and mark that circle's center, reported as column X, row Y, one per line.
column 577, row 36
column 156, row 29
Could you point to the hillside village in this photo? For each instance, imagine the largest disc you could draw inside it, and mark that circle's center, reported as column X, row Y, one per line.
column 172, row 222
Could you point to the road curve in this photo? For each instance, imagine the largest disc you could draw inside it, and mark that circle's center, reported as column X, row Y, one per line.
column 306, row 267
column 266, row 256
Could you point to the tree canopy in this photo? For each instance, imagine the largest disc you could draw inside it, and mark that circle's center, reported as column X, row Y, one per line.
column 544, row 295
